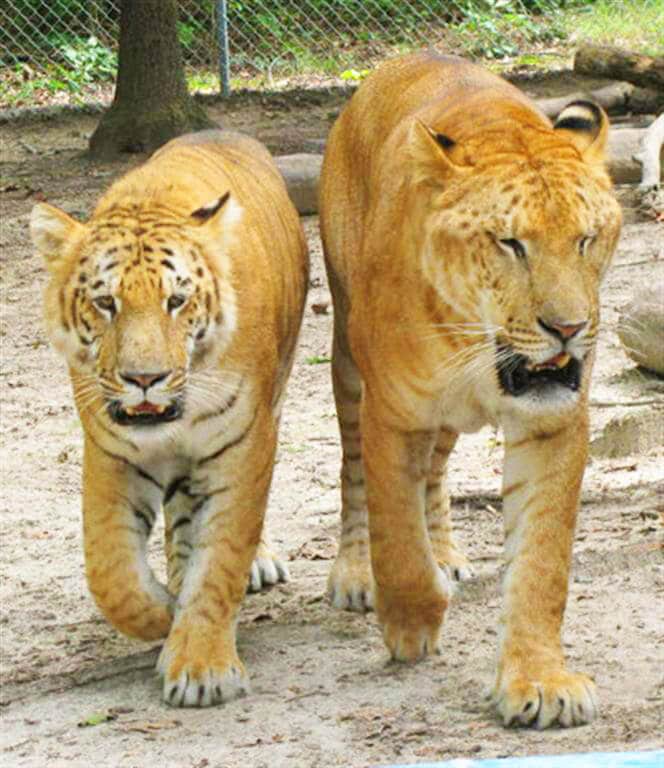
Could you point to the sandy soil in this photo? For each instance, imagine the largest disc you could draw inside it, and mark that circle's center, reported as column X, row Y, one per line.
column 323, row 692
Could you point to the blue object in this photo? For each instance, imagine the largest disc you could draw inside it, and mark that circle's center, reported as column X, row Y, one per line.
column 588, row 760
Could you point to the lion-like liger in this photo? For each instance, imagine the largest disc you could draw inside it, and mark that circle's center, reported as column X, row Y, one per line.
column 465, row 239
column 177, row 307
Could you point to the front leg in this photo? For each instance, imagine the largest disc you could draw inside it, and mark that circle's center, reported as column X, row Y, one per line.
column 542, row 482
column 199, row 661
column 120, row 503
column 411, row 591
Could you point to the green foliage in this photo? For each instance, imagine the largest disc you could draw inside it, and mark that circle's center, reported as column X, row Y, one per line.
column 187, row 34
column 498, row 28
column 203, row 82
column 97, row 719
column 86, row 60
column 80, row 62
column 354, row 75
column 271, row 39
column 634, row 24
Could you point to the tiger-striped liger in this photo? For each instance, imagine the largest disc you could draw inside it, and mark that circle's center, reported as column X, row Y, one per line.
column 465, row 238
column 177, row 307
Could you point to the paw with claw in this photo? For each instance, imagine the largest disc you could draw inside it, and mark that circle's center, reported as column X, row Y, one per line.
column 349, row 586
column 412, row 623
column 266, row 570
column 551, row 698
column 200, row 667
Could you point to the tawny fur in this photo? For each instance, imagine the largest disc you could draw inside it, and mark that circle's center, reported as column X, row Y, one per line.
column 208, row 220
column 430, row 172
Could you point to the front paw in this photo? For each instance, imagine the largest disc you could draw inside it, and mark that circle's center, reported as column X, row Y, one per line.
column 349, row 585
column 547, row 699
column 412, row 623
column 266, row 570
column 199, row 671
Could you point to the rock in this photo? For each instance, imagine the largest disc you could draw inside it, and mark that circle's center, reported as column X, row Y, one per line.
column 641, row 328
column 301, row 173
column 630, row 432
column 624, row 144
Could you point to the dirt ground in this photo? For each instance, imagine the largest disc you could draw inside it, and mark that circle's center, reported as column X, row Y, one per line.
column 75, row 693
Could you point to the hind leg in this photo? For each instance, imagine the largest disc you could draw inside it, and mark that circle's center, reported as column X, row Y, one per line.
column 180, row 509
column 438, row 514
column 179, row 512
column 349, row 583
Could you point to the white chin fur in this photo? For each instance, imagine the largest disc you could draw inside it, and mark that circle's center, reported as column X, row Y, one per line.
column 554, row 400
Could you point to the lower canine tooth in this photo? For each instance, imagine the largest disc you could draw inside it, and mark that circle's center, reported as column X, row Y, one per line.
column 562, row 361
column 131, row 411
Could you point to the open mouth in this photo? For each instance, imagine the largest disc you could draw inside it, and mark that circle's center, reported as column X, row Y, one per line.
column 518, row 374
column 144, row 413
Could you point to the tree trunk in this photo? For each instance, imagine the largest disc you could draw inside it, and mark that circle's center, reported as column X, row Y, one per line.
column 151, row 104
column 603, row 61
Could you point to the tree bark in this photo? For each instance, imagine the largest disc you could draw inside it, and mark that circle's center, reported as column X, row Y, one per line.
column 151, row 103
column 614, row 63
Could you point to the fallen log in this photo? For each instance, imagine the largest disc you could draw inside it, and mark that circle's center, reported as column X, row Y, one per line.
column 645, row 101
column 618, row 64
column 302, row 171
column 613, row 97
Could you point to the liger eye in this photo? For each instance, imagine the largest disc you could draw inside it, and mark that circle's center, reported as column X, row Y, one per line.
column 175, row 301
column 516, row 246
column 584, row 242
column 105, row 303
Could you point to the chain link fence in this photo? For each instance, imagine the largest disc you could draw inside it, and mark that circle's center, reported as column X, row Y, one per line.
column 65, row 51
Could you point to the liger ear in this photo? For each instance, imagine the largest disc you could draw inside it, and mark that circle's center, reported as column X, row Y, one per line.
column 586, row 125
column 436, row 157
column 51, row 229
column 207, row 212
column 223, row 213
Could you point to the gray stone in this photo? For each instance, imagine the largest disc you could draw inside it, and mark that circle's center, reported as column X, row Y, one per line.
column 630, row 432
column 641, row 328
column 301, row 173
column 624, row 145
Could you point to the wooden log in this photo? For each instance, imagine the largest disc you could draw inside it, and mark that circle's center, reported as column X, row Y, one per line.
column 613, row 97
column 301, row 172
column 645, row 101
column 617, row 64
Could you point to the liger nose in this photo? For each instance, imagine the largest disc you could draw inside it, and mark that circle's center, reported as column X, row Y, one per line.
column 564, row 331
column 145, row 380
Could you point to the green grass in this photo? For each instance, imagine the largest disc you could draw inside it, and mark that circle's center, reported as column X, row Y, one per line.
column 202, row 81
column 634, row 24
